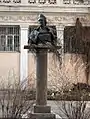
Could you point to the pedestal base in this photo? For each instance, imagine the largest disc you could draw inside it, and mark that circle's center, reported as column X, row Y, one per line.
column 42, row 116
column 42, row 109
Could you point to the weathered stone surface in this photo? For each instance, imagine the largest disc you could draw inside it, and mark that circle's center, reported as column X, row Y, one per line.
column 41, row 81
column 42, row 109
column 42, row 116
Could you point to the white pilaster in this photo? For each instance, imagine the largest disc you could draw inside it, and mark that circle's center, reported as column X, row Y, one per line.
column 60, row 34
column 72, row 2
column 23, row 54
column 59, row 2
column 37, row 1
column 60, row 38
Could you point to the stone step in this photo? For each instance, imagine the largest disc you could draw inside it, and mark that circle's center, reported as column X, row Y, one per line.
column 42, row 116
column 42, row 109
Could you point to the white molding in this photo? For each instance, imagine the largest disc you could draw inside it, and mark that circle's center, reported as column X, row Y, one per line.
column 23, row 54
column 60, row 36
column 51, row 8
column 55, row 19
column 59, row 2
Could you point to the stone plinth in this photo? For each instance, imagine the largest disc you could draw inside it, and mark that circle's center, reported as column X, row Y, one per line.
column 42, row 116
column 42, row 109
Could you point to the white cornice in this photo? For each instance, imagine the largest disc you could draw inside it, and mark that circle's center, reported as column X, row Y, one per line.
column 47, row 9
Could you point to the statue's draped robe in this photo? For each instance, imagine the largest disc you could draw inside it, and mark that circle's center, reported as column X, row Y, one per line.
column 42, row 36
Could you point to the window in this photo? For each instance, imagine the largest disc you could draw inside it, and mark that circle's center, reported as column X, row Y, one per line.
column 52, row 1
column 17, row 1
column 78, row 1
column 66, row 1
column 9, row 38
column 76, row 42
column 31, row 1
column 6, row 1
column 42, row 1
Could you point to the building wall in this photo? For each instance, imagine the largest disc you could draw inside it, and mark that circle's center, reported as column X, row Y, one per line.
column 31, row 69
column 9, row 69
column 58, row 14
column 75, row 67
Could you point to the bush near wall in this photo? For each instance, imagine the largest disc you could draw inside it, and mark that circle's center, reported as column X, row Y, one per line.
column 79, row 91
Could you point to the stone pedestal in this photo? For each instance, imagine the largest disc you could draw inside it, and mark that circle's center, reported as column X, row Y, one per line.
column 41, row 110
column 41, row 77
column 42, row 116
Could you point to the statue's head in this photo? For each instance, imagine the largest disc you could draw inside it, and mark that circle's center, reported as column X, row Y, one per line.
column 42, row 20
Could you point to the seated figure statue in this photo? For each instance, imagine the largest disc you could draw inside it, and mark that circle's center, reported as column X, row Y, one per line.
column 42, row 35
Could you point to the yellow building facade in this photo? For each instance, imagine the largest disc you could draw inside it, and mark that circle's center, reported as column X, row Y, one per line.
column 17, row 16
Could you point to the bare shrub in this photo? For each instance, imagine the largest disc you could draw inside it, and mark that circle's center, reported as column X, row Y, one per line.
column 74, row 109
column 14, row 102
column 63, row 78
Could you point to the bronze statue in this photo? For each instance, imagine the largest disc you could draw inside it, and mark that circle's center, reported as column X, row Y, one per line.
column 42, row 35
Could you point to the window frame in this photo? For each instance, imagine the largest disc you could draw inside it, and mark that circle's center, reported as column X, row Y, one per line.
column 13, row 34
